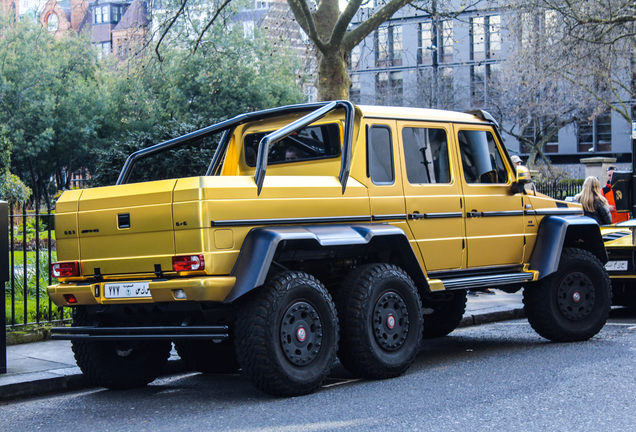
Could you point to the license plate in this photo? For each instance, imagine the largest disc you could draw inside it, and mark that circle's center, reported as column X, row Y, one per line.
column 127, row 290
column 616, row 266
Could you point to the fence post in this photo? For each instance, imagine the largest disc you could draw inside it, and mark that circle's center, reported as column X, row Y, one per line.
column 4, row 277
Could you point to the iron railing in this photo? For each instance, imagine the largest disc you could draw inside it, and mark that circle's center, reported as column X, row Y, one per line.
column 31, row 252
column 560, row 190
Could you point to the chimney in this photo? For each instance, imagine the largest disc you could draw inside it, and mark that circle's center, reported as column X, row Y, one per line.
column 78, row 11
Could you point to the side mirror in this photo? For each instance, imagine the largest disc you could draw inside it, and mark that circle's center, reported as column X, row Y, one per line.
column 523, row 178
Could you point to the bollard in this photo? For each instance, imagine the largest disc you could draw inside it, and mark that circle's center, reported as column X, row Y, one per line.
column 4, row 277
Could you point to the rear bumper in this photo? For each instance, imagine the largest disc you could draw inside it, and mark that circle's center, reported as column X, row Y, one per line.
column 198, row 289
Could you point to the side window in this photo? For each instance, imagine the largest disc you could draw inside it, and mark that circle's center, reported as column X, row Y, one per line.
column 380, row 155
column 481, row 159
column 426, row 155
column 311, row 142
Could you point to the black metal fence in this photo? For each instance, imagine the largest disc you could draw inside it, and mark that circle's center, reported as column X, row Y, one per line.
column 32, row 249
column 560, row 190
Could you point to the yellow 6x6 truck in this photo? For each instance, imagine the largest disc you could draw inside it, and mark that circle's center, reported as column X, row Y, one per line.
column 318, row 230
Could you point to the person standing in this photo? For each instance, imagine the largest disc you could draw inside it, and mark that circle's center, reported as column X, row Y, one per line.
column 594, row 203
column 608, row 192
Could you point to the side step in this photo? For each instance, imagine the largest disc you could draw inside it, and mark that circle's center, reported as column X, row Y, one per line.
column 486, row 281
column 215, row 333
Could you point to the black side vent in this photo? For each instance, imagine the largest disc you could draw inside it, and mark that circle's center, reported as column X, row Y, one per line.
column 123, row 220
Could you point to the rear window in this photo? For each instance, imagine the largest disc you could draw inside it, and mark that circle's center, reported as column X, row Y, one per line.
column 311, row 142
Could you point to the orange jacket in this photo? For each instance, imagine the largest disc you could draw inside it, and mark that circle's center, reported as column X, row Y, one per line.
column 609, row 196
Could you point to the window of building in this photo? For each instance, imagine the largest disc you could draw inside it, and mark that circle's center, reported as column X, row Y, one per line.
column 380, row 155
column 477, row 38
column 481, row 158
column 311, row 142
column 52, row 22
column 595, row 135
column 425, row 49
column 447, row 40
column 102, row 14
column 535, row 131
column 248, row 29
column 426, row 155
column 485, row 37
column 481, row 90
column 356, row 53
column 389, row 88
column 117, row 13
column 388, row 46
column 354, row 91
column 311, row 93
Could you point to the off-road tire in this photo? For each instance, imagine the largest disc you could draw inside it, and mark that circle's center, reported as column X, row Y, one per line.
column 208, row 357
column 442, row 315
column 366, row 301
column 286, row 335
column 573, row 303
column 118, row 365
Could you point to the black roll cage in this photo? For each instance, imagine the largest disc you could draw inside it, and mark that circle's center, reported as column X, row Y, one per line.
column 317, row 111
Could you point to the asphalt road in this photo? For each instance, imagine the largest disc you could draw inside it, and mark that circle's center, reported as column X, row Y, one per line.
column 499, row 377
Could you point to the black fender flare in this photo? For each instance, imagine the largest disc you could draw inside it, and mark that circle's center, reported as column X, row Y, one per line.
column 260, row 246
column 557, row 232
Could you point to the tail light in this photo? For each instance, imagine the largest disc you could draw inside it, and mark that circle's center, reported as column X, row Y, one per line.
column 70, row 298
column 65, row 269
column 188, row 263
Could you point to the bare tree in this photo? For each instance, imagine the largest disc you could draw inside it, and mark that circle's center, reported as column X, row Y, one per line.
column 597, row 40
column 534, row 98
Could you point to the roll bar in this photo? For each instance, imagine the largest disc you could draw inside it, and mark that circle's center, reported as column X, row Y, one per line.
column 317, row 111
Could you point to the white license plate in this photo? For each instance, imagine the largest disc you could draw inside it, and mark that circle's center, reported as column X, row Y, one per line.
column 616, row 266
column 127, row 290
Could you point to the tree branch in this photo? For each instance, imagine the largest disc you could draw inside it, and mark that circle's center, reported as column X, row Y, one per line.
column 305, row 19
column 354, row 37
column 165, row 32
column 218, row 12
column 340, row 29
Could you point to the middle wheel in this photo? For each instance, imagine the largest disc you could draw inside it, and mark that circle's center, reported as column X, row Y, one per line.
column 380, row 316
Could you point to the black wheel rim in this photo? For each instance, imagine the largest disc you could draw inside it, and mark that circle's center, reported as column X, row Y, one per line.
column 576, row 296
column 301, row 333
column 390, row 321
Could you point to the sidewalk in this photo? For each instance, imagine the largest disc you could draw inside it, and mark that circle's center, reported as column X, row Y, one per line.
column 38, row 368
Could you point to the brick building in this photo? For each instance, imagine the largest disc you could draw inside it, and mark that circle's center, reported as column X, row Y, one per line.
column 114, row 25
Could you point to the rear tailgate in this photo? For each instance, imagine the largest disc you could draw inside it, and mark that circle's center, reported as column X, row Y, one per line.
column 127, row 228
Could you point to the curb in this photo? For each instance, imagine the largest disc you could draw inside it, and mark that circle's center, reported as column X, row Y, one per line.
column 21, row 337
column 71, row 379
column 490, row 317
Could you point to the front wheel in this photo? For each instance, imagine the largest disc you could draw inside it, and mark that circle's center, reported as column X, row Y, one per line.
column 573, row 303
column 381, row 320
column 287, row 335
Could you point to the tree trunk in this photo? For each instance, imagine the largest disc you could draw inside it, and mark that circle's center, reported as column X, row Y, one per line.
column 333, row 78
column 36, row 189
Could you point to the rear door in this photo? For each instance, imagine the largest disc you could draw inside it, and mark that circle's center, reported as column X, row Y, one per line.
column 432, row 193
column 494, row 214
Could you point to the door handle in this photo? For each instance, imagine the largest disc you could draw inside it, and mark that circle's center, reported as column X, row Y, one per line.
column 473, row 214
column 416, row 216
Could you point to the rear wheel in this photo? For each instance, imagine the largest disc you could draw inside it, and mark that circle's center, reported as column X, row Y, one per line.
column 287, row 335
column 118, row 365
column 443, row 312
column 573, row 303
column 208, row 357
column 381, row 321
